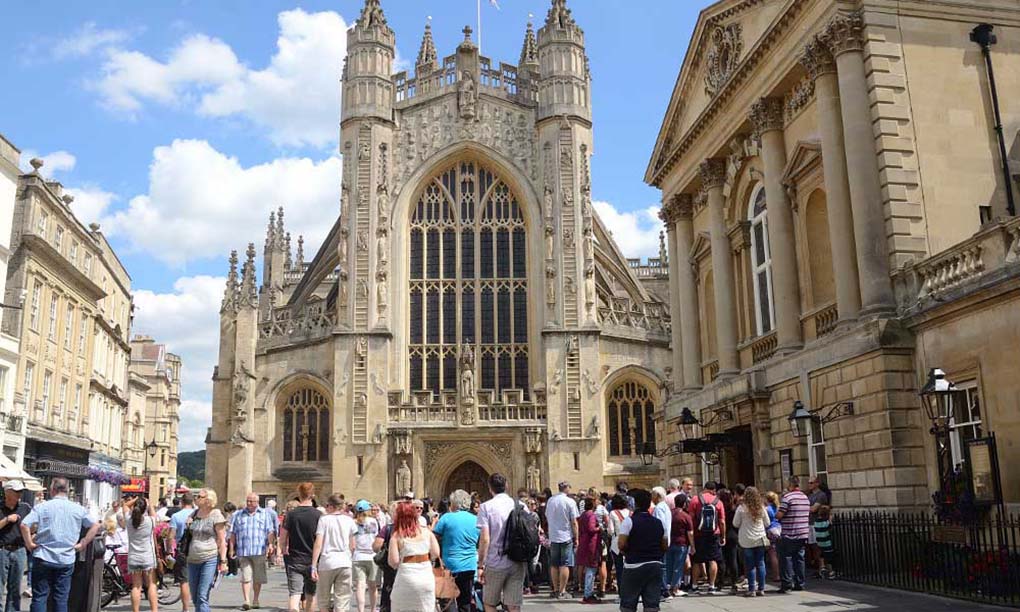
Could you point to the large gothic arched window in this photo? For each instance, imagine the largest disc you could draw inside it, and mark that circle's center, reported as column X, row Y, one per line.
column 468, row 281
column 761, row 262
column 306, row 426
column 631, row 426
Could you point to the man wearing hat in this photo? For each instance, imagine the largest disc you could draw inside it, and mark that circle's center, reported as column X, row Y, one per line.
column 12, row 547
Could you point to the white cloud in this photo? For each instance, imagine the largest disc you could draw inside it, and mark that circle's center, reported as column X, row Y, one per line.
column 57, row 161
column 202, row 203
column 296, row 98
column 90, row 202
column 635, row 232
column 187, row 321
column 86, row 40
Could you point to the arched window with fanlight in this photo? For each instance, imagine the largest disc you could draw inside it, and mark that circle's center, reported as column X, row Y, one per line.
column 630, row 406
column 761, row 262
column 306, row 431
column 468, row 281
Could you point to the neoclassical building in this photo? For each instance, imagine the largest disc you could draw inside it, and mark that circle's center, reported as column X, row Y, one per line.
column 839, row 223
column 468, row 312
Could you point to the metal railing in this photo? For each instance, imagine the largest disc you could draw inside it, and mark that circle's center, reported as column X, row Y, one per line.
column 978, row 562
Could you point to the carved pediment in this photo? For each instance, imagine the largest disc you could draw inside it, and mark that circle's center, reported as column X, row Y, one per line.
column 805, row 158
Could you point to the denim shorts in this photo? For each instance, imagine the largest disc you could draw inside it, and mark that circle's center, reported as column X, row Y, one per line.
column 561, row 554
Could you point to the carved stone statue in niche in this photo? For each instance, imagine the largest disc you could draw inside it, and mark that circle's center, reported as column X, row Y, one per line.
column 595, row 429
column 362, row 290
column 362, row 241
column 550, row 285
column 382, row 200
column 380, row 247
column 568, row 237
column 550, row 242
column 381, row 291
column 403, row 479
column 467, row 376
column 242, row 385
column 569, row 289
column 547, row 202
column 343, row 246
column 466, row 95
column 364, row 150
column 534, row 477
column 589, row 288
column 402, row 442
column 342, row 290
column 589, row 239
column 361, row 348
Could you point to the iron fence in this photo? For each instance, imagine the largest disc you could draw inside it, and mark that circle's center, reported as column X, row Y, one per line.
column 979, row 562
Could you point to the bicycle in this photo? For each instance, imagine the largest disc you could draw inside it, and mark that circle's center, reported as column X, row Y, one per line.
column 116, row 585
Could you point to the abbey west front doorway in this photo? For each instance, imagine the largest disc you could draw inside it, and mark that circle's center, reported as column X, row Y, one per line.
column 470, row 477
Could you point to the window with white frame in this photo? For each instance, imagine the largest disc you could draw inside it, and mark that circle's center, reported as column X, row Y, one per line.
column 88, row 264
column 44, row 222
column 33, row 312
column 58, row 237
column 966, row 422
column 54, row 304
column 816, row 450
column 82, row 330
column 74, row 253
column 72, row 418
column 46, row 386
column 62, row 398
column 68, row 326
column 26, row 388
column 761, row 262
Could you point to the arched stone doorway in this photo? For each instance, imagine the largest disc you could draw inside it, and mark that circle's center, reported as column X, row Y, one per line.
column 468, row 476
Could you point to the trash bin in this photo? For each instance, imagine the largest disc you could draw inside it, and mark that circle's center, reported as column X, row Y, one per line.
column 87, row 580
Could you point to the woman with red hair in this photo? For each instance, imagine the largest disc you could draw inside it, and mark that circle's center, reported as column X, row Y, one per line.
column 412, row 551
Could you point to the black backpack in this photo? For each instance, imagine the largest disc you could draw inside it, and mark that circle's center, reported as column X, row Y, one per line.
column 707, row 522
column 520, row 534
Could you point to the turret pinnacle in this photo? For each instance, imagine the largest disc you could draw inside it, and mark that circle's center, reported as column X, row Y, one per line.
column 559, row 15
column 230, row 293
column 427, row 51
column 248, row 294
column 280, row 233
column 271, row 231
column 372, row 15
column 300, row 252
column 529, row 50
column 287, row 262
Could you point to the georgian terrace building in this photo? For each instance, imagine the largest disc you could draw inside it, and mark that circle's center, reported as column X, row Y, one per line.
column 838, row 224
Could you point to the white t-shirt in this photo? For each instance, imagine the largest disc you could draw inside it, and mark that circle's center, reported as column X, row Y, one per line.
column 561, row 513
column 616, row 518
column 336, row 531
column 364, row 536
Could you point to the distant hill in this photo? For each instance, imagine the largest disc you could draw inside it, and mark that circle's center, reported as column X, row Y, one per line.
column 191, row 465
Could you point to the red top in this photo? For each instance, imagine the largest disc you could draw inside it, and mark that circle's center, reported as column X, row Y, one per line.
column 588, row 540
column 695, row 510
column 682, row 524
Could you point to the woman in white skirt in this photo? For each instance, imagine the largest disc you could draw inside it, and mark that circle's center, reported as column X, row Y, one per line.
column 412, row 551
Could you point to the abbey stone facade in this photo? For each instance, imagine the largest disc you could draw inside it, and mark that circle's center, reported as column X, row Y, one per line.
column 467, row 313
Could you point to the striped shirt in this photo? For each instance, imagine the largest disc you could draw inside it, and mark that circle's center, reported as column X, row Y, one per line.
column 251, row 530
column 795, row 508
column 823, row 534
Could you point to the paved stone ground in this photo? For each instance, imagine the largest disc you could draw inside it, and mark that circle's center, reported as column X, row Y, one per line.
column 827, row 596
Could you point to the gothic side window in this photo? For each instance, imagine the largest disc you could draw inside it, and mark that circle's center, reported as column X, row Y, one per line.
column 761, row 262
column 631, row 426
column 468, row 282
column 306, row 429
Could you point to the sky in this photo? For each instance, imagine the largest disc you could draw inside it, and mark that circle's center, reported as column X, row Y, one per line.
column 179, row 125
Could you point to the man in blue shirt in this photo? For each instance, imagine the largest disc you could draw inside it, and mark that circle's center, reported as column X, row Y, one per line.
column 251, row 531
column 59, row 522
column 458, row 533
column 179, row 521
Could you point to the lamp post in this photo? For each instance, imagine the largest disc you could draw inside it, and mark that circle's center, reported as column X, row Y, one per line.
column 706, row 448
column 151, row 449
column 801, row 418
column 938, row 395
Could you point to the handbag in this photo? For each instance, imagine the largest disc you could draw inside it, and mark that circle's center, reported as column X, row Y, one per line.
column 184, row 546
column 446, row 586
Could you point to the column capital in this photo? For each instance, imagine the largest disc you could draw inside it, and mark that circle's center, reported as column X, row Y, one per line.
column 845, row 33
column 766, row 115
column 817, row 58
column 713, row 172
column 675, row 208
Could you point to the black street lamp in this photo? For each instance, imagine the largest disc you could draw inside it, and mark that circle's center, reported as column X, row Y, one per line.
column 937, row 396
column 801, row 418
column 151, row 447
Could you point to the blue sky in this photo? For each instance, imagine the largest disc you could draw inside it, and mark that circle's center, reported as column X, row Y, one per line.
column 178, row 126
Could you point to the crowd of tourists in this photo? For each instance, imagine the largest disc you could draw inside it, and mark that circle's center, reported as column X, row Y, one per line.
column 401, row 556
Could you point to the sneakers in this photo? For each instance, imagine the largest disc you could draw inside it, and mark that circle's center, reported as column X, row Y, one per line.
column 565, row 595
column 759, row 594
column 713, row 590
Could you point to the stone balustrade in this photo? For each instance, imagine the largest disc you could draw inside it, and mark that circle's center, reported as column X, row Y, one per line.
column 826, row 320
column 282, row 326
column 764, row 347
column 625, row 312
column 502, row 79
column 993, row 251
column 426, row 409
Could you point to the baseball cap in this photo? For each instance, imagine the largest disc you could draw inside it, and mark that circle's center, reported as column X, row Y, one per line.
column 362, row 506
column 14, row 485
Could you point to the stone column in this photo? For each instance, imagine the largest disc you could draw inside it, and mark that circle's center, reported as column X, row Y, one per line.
column 822, row 68
column 845, row 37
column 690, row 316
column 713, row 175
column 668, row 216
column 767, row 117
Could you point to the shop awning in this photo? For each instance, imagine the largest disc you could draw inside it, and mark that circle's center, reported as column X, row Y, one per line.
column 9, row 471
column 137, row 485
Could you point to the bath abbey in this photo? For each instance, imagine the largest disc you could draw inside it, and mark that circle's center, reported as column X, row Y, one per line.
column 468, row 312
